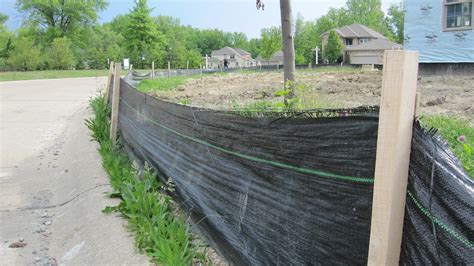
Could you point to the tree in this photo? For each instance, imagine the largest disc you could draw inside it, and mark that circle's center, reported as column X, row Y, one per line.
column 60, row 55
column 333, row 51
column 142, row 38
column 288, row 44
column 59, row 17
column 271, row 42
column 396, row 21
column 368, row 13
column 25, row 56
column 5, row 41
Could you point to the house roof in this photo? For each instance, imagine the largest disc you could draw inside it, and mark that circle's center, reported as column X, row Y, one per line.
column 357, row 31
column 230, row 51
column 277, row 56
column 377, row 44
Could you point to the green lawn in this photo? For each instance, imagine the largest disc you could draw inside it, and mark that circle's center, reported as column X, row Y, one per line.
column 54, row 74
column 459, row 135
column 162, row 84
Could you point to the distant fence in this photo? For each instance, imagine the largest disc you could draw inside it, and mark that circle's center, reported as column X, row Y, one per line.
column 296, row 188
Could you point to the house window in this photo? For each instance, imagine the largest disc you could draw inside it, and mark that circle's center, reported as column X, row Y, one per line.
column 232, row 57
column 348, row 42
column 458, row 15
column 362, row 41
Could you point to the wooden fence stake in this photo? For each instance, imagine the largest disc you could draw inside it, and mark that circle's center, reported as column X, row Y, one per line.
column 109, row 81
column 187, row 65
column 115, row 103
column 153, row 69
column 397, row 109
column 169, row 69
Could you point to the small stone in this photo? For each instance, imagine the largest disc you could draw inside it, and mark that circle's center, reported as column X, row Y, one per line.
column 34, row 252
column 48, row 223
column 44, row 215
column 21, row 239
column 38, row 259
column 17, row 245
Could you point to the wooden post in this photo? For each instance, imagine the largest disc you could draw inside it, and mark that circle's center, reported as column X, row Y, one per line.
column 169, row 69
column 397, row 109
column 187, row 65
column 109, row 81
column 200, row 67
column 153, row 69
column 115, row 103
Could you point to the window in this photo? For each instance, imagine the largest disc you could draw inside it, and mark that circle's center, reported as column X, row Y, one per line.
column 348, row 42
column 362, row 41
column 232, row 57
column 457, row 15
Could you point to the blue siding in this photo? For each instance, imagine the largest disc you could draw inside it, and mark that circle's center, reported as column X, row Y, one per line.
column 424, row 32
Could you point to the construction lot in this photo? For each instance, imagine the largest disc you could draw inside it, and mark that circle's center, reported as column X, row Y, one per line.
column 330, row 88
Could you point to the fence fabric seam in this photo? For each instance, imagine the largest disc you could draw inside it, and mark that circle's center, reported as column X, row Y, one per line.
column 440, row 223
column 256, row 159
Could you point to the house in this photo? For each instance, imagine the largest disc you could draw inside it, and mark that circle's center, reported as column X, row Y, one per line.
column 276, row 59
column 235, row 57
column 442, row 31
column 361, row 45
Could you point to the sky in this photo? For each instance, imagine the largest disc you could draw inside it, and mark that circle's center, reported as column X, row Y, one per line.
column 227, row 15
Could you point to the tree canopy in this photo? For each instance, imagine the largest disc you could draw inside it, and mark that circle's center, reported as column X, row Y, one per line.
column 71, row 27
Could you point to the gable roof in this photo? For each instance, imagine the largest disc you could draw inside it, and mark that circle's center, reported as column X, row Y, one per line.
column 357, row 31
column 230, row 51
column 377, row 44
column 277, row 56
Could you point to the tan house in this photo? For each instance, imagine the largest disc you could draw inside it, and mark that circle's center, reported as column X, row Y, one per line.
column 235, row 57
column 276, row 59
column 362, row 45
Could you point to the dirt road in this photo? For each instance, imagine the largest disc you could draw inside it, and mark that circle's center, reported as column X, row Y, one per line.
column 52, row 183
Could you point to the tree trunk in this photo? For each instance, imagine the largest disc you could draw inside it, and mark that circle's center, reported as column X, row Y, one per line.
column 288, row 44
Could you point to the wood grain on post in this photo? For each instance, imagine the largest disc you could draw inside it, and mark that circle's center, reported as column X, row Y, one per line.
column 115, row 103
column 109, row 81
column 397, row 109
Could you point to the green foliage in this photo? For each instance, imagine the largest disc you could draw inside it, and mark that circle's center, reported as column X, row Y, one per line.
column 61, row 18
column 333, row 50
column 396, row 21
column 149, row 210
column 102, row 46
column 271, row 42
column 25, row 55
column 142, row 37
column 459, row 136
column 60, row 55
column 162, row 84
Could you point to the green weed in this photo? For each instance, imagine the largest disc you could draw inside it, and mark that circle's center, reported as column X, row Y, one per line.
column 161, row 84
column 459, row 135
column 158, row 232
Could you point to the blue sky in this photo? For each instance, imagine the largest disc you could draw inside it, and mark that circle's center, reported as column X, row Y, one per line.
column 227, row 15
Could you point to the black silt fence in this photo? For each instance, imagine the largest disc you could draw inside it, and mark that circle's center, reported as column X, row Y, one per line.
column 296, row 188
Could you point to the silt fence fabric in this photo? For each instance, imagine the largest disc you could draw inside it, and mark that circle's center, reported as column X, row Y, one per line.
column 296, row 188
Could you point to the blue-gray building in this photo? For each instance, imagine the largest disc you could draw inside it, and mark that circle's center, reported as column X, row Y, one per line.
column 441, row 30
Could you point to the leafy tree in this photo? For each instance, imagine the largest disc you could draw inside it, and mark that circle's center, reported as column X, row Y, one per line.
column 370, row 14
column 211, row 39
column 254, row 46
column 142, row 37
column 59, row 17
column 102, row 44
column 396, row 21
column 60, row 55
column 271, row 42
column 5, row 41
column 25, row 56
column 333, row 51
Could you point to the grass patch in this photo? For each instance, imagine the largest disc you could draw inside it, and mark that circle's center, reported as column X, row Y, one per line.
column 459, row 135
column 162, row 84
column 54, row 74
column 150, row 211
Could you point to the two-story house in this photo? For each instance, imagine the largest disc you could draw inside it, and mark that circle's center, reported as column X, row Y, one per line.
column 443, row 33
column 235, row 57
column 361, row 45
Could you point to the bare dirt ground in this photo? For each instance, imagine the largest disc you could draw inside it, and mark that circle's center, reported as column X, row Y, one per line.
column 439, row 95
